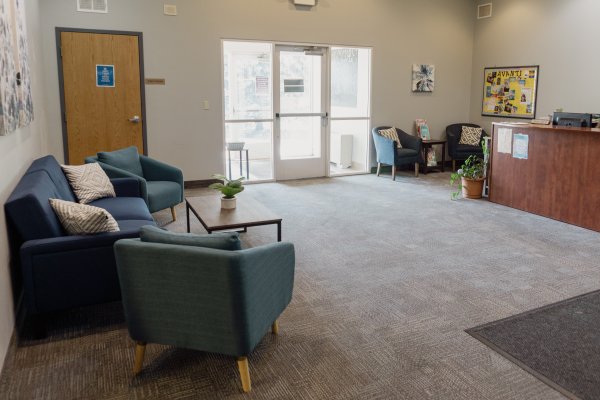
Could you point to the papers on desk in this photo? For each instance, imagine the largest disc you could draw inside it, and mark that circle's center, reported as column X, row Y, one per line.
column 505, row 140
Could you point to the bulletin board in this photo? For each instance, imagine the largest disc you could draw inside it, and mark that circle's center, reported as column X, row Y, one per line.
column 510, row 92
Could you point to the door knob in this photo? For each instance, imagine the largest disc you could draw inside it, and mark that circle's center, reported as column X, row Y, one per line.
column 135, row 119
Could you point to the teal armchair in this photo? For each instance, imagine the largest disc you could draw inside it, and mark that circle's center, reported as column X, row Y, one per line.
column 217, row 299
column 161, row 185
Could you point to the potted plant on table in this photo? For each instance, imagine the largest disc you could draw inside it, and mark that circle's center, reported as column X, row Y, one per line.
column 228, row 188
column 472, row 174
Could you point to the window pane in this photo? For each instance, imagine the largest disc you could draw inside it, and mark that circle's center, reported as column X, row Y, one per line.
column 300, row 137
column 300, row 82
column 256, row 138
column 350, row 79
column 247, row 80
column 349, row 140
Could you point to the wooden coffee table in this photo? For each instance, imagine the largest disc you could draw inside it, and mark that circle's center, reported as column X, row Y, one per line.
column 248, row 212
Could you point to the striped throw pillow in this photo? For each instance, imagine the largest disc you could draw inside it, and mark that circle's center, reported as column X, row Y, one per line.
column 392, row 134
column 470, row 135
column 89, row 182
column 82, row 219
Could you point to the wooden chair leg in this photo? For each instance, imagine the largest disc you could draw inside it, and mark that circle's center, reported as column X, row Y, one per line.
column 417, row 169
column 378, row 168
column 140, row 350
column 275, row 328
column 393, row 172
column 453, row 165
column 244, row 373
column 173, row 213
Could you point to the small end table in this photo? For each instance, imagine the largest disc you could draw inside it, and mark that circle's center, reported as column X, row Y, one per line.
column 241, row 162
column 428, row 144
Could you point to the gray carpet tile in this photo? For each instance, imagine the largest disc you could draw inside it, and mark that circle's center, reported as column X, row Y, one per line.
column 388, row 277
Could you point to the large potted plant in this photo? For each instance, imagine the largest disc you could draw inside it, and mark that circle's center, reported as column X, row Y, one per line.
column 228, row 188
column 472, row 175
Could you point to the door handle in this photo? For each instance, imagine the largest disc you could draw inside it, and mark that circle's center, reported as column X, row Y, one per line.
column 135, row 119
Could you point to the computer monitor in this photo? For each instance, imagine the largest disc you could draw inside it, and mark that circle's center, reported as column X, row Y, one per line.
column 579, row 120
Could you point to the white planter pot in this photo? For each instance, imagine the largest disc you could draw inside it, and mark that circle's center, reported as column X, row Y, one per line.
column 227, row 204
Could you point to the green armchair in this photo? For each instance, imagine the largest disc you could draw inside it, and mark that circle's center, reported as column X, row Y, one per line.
column 201, row 292
column 161, row 185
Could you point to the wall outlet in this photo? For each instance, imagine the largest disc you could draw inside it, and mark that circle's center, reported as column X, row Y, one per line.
column 170, row 9
column 206, row 105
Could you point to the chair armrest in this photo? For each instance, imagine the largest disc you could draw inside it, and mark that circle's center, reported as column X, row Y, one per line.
column 126, row 187
column 385, row 148
column 155, row 170
column 114, row 172
column 409, row 141
column 452, row 139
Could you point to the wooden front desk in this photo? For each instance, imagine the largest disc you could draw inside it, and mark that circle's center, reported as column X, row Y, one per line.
column 560, row 178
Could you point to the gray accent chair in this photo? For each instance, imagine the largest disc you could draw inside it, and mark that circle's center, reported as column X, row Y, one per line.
column 388, row 152
column 201, row 292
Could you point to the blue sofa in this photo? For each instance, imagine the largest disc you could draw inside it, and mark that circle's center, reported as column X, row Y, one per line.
column 60, row 272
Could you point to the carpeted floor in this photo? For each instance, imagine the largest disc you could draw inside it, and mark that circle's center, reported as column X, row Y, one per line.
column 388, row 277
column 558, row 343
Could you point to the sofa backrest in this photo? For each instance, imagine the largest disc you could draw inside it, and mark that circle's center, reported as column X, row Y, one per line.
column 56, row 174
column 28, row 208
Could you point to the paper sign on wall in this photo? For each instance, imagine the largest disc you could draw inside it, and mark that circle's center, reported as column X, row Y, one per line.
column 504, row 140
column 520, row 146
column 105, row 75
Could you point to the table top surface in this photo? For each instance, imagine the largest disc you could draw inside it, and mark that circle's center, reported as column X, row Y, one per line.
column 248, row 211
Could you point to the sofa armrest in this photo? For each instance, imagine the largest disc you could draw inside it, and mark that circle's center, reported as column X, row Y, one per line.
column 409, row 141
column 126, row 187
column 114, row 173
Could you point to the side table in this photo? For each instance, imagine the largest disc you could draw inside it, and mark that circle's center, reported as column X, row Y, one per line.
column 241, row 159
column 428, row 144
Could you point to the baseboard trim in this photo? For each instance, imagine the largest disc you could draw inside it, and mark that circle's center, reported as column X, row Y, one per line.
column 199, row 184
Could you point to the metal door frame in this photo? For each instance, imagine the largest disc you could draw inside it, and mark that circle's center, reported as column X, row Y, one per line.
column 61, row 83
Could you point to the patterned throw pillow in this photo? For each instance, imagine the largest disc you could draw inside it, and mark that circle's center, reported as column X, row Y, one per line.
column 89, row 182
column 81, row 219
column 470, row 135
column 391, row 133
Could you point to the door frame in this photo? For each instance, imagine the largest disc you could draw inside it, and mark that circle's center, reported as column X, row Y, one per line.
column 61, row 83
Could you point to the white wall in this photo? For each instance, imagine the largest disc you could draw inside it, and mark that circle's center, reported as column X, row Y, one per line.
column 186, row 50
column 559, row 36
column 17, row 150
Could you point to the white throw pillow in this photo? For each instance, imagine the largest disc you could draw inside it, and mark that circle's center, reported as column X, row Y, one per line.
column 82, row 219
column 391, row 133
column 89, row 182
column 470, row 135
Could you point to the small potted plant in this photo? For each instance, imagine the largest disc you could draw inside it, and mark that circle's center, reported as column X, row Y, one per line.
column 229, row 188
column 472, row 174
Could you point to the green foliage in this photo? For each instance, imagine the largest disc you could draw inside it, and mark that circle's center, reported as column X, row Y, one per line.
column 229, row 188
column 472, row 168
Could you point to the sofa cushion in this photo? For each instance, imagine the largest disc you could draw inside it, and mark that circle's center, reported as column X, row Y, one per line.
column 56, row 174
column 127, row 159
column 465, row 150
column 89, row 182
column 162, row 194
column 124, row 208
column 82, row 219
column 222, row 241
column 407, row 152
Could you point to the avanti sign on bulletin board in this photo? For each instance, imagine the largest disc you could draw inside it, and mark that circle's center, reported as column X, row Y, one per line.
column 510, row 92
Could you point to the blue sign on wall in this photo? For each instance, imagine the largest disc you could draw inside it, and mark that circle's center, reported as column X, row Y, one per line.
column 105, row 75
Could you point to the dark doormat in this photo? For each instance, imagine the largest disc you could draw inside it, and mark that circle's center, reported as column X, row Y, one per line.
column 558, row 344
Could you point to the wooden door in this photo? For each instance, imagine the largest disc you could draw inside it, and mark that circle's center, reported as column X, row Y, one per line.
column 102, row 93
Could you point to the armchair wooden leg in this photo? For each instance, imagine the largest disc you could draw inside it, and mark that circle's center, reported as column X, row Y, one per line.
column 173, row 213
column 140, row 350
column 453, row 165
column 378, row 168
column 244, row 373
column 417, row 169
column 393, row 172
column 275, row 328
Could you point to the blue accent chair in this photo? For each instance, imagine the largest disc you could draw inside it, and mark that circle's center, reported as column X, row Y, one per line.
column 161, row 184
column 462, row 151
column 202, row 292
column 388, row 152
column 54, row 270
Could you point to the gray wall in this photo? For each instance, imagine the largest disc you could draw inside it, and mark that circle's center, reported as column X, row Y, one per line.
column 17, row 150
column 186, row 50
column 560, row 36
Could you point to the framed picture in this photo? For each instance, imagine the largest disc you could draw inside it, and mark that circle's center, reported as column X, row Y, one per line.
column 423, row 77
column 510, row 92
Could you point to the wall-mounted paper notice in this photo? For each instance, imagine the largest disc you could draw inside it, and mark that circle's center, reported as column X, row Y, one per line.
column 521, row 146
column 504, row 140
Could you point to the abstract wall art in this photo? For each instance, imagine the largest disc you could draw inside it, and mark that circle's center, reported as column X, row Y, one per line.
column 423, row 77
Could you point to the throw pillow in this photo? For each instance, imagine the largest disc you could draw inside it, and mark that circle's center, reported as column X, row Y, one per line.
column 127, row 159
column 391, row 133
column 89, row 182
column 222, row 241
column 81, row 219
column 470, row 135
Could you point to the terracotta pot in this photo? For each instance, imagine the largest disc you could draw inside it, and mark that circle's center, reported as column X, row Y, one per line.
column 227, row 204
column 472, row 188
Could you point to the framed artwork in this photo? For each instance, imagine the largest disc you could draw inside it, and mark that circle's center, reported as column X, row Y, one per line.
column 423, row 77
column 510, row 92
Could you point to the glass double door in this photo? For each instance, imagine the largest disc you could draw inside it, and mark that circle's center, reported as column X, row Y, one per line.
column 300, row 103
